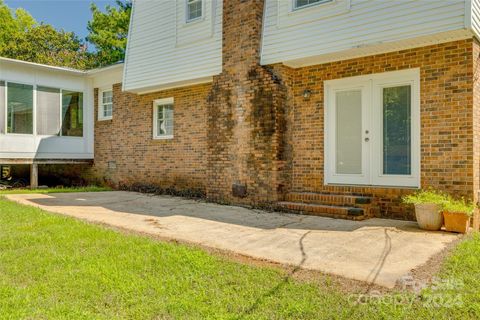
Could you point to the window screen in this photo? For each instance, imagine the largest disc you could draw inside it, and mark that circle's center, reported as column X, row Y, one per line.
column 2, row 106
column 19, row 108
column 48, row 111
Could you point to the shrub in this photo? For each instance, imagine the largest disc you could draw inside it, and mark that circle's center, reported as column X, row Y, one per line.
column 426, row 196
column 458, row 206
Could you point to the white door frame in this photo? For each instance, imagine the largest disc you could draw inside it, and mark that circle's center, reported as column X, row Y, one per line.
column 372, row 103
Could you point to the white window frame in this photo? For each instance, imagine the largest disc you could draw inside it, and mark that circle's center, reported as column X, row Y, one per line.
column 187, row 15
column 295, row 7
column 34, row 119
column 101, row 105
column 156, row 104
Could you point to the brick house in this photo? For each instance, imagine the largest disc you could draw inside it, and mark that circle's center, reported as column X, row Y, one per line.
column 331, row 107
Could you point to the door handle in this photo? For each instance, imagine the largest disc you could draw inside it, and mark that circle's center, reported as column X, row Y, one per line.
column 367, row 139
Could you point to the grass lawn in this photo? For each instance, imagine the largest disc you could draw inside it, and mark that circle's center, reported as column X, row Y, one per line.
column 55, row 267
column 55, row 190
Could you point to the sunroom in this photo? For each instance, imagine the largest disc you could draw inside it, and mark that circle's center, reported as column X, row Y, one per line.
column 46, row 115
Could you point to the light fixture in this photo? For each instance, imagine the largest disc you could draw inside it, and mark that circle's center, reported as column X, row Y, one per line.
column 307, row 93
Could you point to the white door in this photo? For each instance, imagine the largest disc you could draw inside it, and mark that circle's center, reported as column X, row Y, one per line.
column 372, row 130
column 346, row 139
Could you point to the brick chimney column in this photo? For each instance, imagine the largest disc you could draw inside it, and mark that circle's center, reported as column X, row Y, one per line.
column 245, row 114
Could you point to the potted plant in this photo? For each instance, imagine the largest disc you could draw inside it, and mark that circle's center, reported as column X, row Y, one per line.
column 428, row 208
column 457, row 214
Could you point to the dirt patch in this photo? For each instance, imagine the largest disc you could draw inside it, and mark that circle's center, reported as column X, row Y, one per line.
column 426, row 273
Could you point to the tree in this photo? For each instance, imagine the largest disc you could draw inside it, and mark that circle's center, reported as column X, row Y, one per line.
column 44, row 44
column 23, row 38
column 108, row 32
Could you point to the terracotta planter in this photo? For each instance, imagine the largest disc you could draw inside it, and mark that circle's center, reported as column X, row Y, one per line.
column 429, row 216
column 456, row 221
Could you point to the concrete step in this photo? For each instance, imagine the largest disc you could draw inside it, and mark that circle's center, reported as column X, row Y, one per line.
column 324, row 210
column 330, row 199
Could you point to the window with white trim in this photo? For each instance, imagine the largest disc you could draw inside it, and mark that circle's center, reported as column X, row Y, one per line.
column 299, row 4
column 105, row 104
column 194, row 10
column 163, row 119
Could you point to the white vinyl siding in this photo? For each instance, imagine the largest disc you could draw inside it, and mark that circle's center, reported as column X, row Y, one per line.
column 163, row 50
column 475, row 16
column 163, row 119
column 105, row 104
column 343, row 25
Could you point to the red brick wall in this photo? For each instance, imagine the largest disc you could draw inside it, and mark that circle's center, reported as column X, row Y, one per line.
column 245, row 114
column 252, row 128
column 126, row 141
column 446, row 121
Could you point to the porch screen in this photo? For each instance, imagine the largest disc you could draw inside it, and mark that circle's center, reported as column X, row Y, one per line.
column 2, row 106
column 48, row 111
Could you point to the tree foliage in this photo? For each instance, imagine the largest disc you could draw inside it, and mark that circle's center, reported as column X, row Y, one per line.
column 108, row 31
column 23, row 38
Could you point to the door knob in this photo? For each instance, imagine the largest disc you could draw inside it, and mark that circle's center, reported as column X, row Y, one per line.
column 367, row 139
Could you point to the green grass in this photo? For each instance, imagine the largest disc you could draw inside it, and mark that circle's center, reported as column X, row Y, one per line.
column 55, row 267
column 55, row 190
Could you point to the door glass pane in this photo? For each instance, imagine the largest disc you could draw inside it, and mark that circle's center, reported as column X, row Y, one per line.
column 397, row 130
column 20, row 108
column 348, row 132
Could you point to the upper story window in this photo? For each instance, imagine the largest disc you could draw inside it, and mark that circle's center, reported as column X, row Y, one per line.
column 163, row 119
column 299, row 4
column 194, row 10
column 105, row 104
column 34, row 109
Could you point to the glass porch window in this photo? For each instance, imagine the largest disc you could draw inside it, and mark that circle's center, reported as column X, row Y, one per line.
column 2, row 106
column 397, row 140
column 72, row 114
column 19, row 108
column 48, row 111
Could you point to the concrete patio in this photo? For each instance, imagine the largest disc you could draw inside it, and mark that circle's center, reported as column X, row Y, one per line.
column 378, row 251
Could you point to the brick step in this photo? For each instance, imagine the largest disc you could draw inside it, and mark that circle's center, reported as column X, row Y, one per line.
column 330, row 199
column 324, row 210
